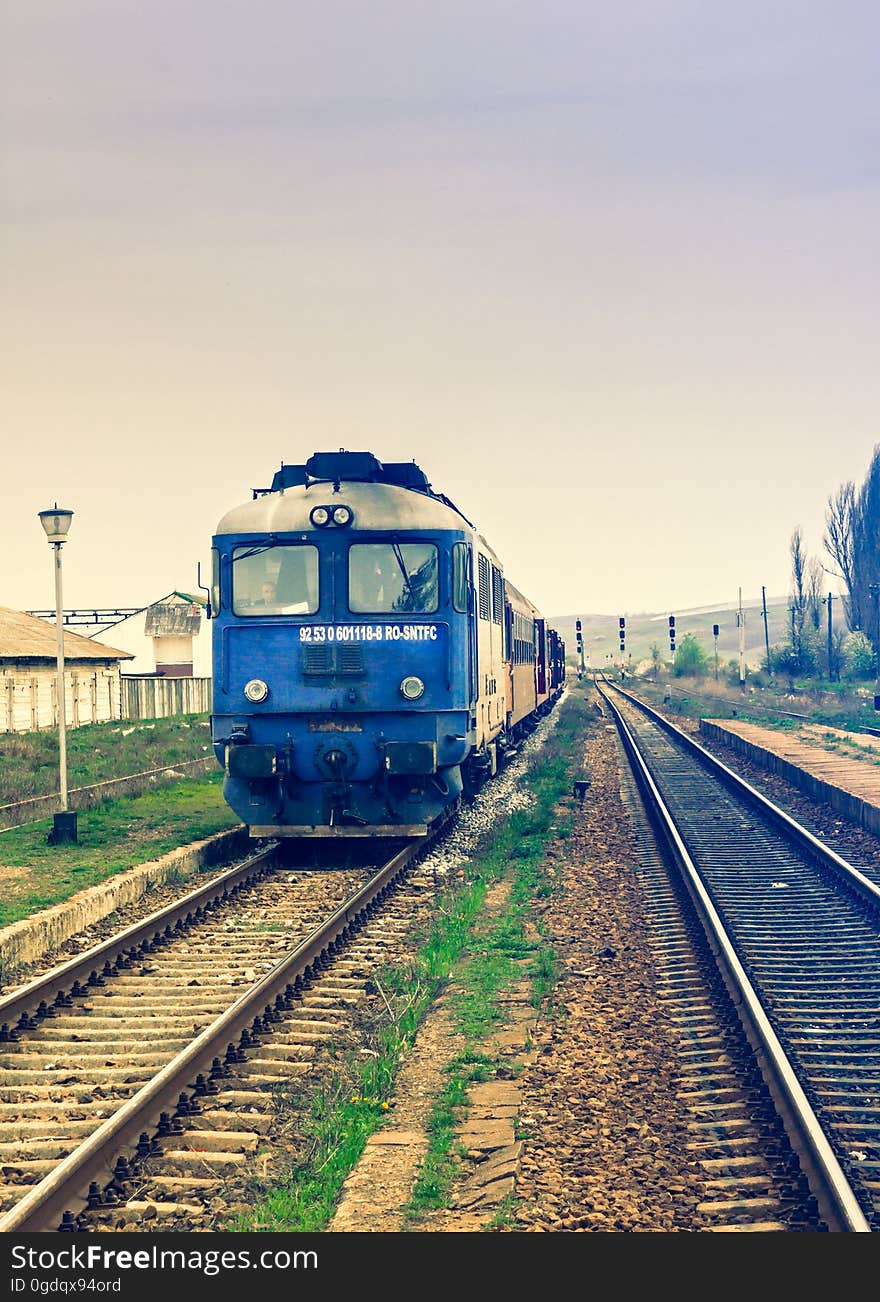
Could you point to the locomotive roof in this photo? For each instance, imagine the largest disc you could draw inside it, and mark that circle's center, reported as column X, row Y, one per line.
column 375, row 506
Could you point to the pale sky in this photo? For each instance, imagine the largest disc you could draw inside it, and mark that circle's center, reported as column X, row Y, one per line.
column 607, row 273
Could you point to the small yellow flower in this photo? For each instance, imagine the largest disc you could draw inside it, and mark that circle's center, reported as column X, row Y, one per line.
column 355, row 1098
column 385, row 1105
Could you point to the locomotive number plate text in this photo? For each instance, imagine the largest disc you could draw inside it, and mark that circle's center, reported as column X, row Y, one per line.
column 371, row 632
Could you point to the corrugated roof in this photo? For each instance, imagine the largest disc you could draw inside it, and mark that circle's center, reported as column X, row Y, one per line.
column 166, row 619
column 24, row 637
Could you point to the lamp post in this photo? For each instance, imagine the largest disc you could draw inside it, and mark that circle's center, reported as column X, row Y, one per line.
column 56, row 523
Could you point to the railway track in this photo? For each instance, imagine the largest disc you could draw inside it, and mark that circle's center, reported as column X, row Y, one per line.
column 140, row 1074
column 795, row 931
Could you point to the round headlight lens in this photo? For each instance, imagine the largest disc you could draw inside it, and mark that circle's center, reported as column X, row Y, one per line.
column 256, row 690
column 342, row 515
column 412, row 687
column 319, row 515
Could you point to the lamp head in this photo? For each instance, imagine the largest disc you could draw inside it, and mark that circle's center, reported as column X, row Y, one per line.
column 56, row 522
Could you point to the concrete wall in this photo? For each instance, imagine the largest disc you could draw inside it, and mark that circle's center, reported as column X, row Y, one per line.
column 862, row 812
column 24, row 942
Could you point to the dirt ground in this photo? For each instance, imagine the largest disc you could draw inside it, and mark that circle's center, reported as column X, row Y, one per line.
column 581, row 1129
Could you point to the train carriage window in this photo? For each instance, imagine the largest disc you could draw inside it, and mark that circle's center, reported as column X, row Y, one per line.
column 497, row 595
column 390, row 577
column 275, row 580
column 460, row 573
column 485, row 591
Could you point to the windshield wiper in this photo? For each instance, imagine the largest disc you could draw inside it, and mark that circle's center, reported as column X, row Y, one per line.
column 398, row 556
column 256, row 550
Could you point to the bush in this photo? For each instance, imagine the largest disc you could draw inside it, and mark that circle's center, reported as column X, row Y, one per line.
column 690, row 658
column 858, row 655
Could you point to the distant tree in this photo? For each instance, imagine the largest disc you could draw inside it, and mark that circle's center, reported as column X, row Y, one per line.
column 852, row 539
column 799, row 566
column 836, row 660
column 656, row 659
column 814, row 591
column 690, row 658
column 787, row 663
column 839, row 538
column 858, row 655
column 866, row 550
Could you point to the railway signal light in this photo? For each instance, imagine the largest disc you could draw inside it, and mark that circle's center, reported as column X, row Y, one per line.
column 580, row 647
column 622, row 623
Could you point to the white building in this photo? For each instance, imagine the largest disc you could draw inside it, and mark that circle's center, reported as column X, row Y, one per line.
column 168, row 639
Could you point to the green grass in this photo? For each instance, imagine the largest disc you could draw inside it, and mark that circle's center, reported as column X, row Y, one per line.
column 837, row 705
column 112, row 837
column 98, row 752
column 473, row 957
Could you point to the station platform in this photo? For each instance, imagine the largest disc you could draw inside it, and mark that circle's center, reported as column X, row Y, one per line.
column 839, row 768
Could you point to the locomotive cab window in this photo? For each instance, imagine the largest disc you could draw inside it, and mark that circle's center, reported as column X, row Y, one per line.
column 389, row 577
column 275, row 580
column 460, row 557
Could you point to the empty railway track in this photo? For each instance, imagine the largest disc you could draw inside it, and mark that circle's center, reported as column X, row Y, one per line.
column 795, row 993
column 140, row 1074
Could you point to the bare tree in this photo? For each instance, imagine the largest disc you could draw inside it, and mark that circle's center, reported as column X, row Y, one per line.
column 852, row 540
column 866, row 551
column 814, row 591
column 839, row 541
column 798, row 592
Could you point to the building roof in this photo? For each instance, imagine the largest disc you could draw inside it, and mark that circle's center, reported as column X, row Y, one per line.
column 24, row 637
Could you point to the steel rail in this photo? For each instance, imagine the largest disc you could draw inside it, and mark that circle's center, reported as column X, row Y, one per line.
column 837, row 1202
column 84, row 968
column 862, row 885
column 65, row 1189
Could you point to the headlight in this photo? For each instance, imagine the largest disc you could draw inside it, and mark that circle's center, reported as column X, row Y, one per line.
column 256, row 690
column 320, row 516
column 342, row 515
column 412, row 688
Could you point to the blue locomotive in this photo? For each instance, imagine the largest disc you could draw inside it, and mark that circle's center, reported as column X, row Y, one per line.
column 370, row 661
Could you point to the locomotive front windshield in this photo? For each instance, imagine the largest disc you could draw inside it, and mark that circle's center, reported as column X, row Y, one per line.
column 391, row 576
column 275, row 580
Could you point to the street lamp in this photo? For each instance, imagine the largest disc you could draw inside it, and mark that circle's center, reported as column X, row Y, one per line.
column 56, row 523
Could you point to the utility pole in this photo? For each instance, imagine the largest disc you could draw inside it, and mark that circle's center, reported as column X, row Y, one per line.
column 741, row 625
column 766, row 632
